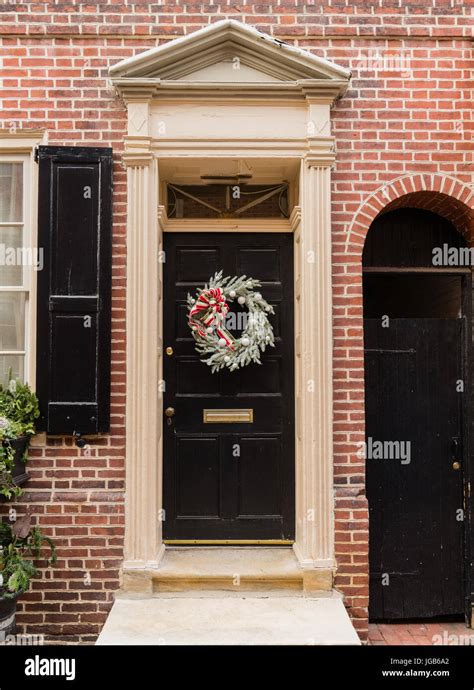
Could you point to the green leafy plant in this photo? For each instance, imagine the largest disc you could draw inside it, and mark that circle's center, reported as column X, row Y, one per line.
column 9, row 431
column 18, row 412
column 20, row 544
column 19, row 404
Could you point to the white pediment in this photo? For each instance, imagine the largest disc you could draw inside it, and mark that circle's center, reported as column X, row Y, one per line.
column 230, row 69
column 226, row 53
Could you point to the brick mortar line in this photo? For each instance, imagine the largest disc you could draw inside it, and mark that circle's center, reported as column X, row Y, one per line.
column 291, row 38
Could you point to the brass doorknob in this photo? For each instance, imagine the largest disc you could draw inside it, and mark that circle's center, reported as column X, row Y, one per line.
column 456, row 465
column 169, row 412
column 169, row 351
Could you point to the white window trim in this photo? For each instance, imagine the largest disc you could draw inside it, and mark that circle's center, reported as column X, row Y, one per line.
column 19, row 146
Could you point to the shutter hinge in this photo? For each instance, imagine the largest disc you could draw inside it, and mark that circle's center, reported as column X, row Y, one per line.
column 36, row 154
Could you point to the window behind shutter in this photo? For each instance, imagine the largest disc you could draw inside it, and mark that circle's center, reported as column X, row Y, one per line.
column 74, row 289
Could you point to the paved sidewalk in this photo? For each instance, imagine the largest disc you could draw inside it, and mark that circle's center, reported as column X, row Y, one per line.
column 441, row 633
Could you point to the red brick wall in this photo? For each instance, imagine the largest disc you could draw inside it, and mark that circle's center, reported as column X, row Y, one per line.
column 406, row 112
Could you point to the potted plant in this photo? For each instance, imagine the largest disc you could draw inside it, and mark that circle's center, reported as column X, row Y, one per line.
column 18, row 412
column 20, row 544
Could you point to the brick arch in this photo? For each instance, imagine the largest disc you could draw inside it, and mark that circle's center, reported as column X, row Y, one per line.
column 441, row 194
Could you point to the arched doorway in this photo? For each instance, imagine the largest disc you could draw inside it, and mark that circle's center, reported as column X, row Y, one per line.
column 417, row 313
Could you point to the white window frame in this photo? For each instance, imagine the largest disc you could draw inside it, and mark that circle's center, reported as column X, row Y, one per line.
column 19, row 146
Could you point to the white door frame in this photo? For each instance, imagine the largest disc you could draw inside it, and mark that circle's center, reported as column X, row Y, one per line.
column 260, row 124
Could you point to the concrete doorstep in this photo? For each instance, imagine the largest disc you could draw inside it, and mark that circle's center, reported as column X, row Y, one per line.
column 216, row 619
column 264, row 569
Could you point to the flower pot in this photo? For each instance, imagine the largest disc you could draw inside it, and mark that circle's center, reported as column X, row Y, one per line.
column 20, row 446
column 7, row 616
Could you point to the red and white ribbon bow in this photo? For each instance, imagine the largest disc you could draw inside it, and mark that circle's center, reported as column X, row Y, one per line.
column 209, row 310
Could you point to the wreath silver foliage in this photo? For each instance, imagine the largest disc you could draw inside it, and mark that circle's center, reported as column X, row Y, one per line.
column 208, row 324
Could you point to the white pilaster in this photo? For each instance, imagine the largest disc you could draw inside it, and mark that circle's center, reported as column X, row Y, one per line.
column 314, row 545
column 143, row 404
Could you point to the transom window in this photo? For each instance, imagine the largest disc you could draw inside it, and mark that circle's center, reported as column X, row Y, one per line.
column 238, row 200
column 16, row 259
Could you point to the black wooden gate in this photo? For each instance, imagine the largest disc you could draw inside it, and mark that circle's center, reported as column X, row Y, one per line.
column 414, row 393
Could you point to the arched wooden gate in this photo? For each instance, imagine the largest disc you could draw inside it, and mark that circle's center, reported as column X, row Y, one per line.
column 417, row 318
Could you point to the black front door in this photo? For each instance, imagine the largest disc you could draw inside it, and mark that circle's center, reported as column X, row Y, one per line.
column 414, row 378
column 228, row 481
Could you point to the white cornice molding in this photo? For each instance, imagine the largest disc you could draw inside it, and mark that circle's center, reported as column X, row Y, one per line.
column 21, row 140
column 228, row 31
column 161, row 72
column 316, row 151
column 319, row 90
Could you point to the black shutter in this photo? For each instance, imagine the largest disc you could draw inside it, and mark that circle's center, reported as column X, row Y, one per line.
column 74, row 289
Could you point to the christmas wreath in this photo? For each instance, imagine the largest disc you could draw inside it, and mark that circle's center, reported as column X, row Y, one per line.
column 207, row 316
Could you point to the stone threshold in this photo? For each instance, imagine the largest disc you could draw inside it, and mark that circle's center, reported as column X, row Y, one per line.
column 227, row 569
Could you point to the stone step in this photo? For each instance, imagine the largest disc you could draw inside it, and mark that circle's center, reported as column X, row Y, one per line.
column 227, row 569
column 220, row 619
column 242, row 583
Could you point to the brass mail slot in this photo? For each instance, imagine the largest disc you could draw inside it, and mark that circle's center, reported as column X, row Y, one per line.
column 227, row 416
